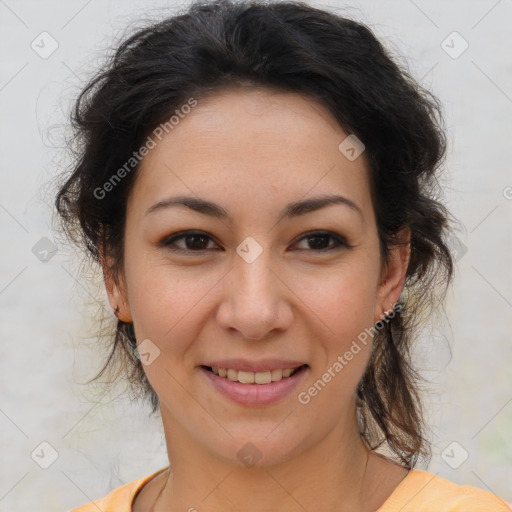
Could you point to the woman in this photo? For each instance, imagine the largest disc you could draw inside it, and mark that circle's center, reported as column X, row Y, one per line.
column 257, row 181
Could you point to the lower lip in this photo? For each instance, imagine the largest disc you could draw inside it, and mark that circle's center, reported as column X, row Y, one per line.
column 255, row 394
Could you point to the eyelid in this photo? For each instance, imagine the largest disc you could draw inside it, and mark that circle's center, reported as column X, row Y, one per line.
column 341, row 242
column 167, row 241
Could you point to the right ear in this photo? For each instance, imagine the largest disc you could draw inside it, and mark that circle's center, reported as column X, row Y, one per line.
column 115, row 286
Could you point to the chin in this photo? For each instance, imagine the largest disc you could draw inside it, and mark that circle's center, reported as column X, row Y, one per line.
column 261, row 450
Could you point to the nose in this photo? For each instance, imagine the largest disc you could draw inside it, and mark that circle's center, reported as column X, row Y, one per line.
column 256, row 300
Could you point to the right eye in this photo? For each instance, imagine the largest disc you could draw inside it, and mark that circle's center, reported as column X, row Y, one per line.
column 194, row 241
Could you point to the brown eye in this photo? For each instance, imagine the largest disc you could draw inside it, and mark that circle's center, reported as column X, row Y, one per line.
column 194, row 241
column 319, row 241
column 197, row 241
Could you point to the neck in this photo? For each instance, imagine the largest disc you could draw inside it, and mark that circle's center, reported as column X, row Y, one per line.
column 332, row 474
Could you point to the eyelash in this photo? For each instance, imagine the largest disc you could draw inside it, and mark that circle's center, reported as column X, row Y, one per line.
column 340, row 241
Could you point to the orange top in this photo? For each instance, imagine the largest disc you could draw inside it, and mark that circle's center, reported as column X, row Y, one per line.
column 419, row 491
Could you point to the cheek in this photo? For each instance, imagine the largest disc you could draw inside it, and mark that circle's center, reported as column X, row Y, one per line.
column 344, row 298
column 341, row 308
column 166, row 309
column 162, row 303
column 342, row 349
column 333, row 305
column 168, row 303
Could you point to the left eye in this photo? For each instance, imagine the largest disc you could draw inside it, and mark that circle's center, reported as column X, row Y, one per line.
column 317, row 241
column 198, row 241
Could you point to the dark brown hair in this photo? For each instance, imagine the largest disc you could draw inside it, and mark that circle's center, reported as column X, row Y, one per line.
column 295, row 47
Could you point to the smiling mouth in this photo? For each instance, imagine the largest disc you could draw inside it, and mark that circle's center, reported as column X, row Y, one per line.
column 245, row 377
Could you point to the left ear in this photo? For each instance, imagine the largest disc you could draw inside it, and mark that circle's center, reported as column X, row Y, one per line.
column 392, row 277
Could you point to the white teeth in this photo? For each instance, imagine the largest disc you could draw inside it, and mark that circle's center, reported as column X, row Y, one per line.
column 276, row 374
column 263, row 377
column 246, row 377
column 253, row 377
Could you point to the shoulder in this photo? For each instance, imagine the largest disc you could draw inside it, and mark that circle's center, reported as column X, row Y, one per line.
column 423, row 491
column 119, row 499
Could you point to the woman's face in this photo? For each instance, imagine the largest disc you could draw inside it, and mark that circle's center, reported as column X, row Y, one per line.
column 249, row 289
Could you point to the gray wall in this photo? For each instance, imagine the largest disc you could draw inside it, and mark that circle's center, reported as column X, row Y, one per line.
column 102, row 441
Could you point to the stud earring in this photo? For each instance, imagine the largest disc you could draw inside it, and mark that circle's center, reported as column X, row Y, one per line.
column 387, row 313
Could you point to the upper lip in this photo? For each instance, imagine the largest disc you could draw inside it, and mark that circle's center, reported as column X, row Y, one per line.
column 245, row 365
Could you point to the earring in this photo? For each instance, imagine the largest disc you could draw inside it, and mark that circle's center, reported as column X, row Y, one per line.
column 387, row 313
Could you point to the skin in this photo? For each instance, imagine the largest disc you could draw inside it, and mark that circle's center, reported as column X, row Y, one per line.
column 253, row 151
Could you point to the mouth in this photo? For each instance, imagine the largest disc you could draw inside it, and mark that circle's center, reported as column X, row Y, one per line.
column 248, row 377
column 253, row 389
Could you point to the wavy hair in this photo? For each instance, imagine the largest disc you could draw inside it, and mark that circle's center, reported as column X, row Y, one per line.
column 290, row 46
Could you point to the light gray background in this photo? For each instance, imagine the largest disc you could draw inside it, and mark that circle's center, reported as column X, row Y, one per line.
column 46, row 318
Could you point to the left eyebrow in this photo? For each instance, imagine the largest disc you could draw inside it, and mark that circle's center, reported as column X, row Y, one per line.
column 294, row 209
column 316, row 203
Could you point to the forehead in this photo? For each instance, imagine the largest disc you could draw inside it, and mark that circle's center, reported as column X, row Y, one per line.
column 259, row 144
